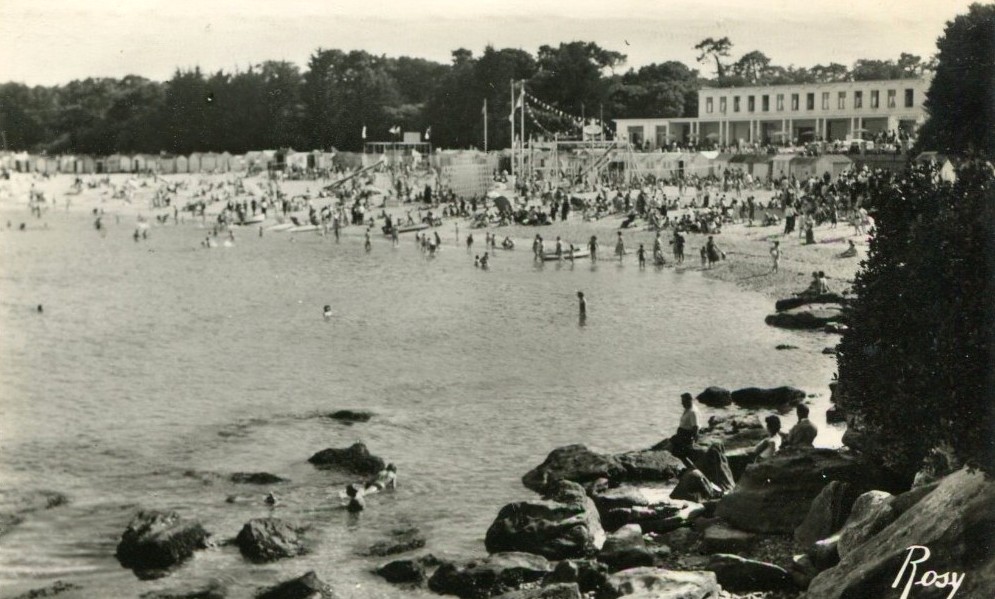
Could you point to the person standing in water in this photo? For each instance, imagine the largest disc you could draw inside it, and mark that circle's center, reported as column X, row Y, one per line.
column 775, row 256
column 620, row 247
column 368, row 244
column 592, row 245
column 469, row 243
column 641, row 254
column 581, row 305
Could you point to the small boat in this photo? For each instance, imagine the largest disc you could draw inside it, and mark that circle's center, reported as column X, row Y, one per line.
column 253, row 220
column 281, row 227
column 303, row 228
column 410, row 228
column 577, row 253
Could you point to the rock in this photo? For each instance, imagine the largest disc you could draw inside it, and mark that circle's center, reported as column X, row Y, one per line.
column 784, row 346
column 774, row 496
column 825, row 553
column 835, row 415
column 401, row 540
column 658, row 518
column 561, row 590
column 860, row 441
column 776, row 398
column 680, row 540
column 256, row 478
column 574, row 463
column 589, row 575
column 901, row 503
column 269, row 539
column 213, row 591
column 649, row 465
column 356, row 459
column 716, row 397
column 156, row 540
column 55, row 589
column 351, row 416
column 403, row 571
column 828, row 512
column 798, row 301
column 720, row 538
column 829, row 351
column 308, row 586
column 662, row 584
column 956, row 522
column 811, row 316
column 695, row 486
column 549, row 528
column 621, row 497
column 835, row 328
column 498, row 573
column 625, row 548
column 802, row 571
column 870, row 515
column 742, row 575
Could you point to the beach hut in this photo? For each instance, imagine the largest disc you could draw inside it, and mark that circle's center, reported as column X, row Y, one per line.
column 237, row 163
column 67, row 163
column 781, row 165
column 720, row 164
column 86, row 165
column 112, row 163
column 804, row 167
column 224, row 162
column 834, row 164
column 182, row 164
column 208, row 162
column 165, row 164
column 141, row 163
column 193, row 162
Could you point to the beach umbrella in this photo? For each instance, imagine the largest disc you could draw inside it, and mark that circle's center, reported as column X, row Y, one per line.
column 712, row 136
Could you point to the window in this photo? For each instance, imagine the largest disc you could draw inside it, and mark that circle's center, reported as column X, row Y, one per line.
column 908, row 98
column 780, row 101
column 841, row 101
column 708, row 104
column 891, row 98
column 766, row 103
column 858, row 99
column 722, row 105
column 794, row 101
column 825, row 100
column 735, row 104
column 810, row 102
column 875, row 98
column 751, row 104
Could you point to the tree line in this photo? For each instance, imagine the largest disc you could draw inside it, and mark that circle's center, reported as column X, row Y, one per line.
column 338, row 94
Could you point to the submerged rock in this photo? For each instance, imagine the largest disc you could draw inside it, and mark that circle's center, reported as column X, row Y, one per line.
column 715, row 397
column 403, row 571
column 798, row 301
column 810, row 316
column 351, row 416
column 57, row 589
column 256, row 478
column 400, row 541
column 269, row 539
column 308, row 586
column 157, row 540
column 498, row 573
column 356, row 459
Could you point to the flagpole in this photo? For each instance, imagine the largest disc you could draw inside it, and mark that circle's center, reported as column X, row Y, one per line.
column 485, row 125
column 521, row 135
column 512, row 127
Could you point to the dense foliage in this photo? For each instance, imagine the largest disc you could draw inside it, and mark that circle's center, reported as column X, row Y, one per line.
column 961, row 98
column 916, row 363
column 275, row 104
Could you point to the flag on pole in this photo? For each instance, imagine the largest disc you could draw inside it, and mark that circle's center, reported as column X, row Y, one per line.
column 483, row 110
column 521, row 100
column 364, row 131
column 428, row 133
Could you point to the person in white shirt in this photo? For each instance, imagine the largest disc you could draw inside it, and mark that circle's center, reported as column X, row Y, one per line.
column 682, row 443
column 769, row 446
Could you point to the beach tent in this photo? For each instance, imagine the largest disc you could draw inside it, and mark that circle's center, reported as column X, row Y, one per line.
column 834, row 164
column 193, row 162
column 208, row 162
column 948, row 171
column 182, row 164
column 804, row 167
column 781, row 165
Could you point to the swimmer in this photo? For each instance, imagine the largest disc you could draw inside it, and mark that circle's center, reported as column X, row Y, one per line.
column 271, row 499
column 483, row 260
column 355, row 495
column 40, row 309
column 476, row 261
column 385, row 479
column 327, row 312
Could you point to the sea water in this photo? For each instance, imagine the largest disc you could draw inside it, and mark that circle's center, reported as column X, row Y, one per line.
column 158, row 368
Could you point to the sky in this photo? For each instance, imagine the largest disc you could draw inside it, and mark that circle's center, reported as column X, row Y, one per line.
column 46, row 42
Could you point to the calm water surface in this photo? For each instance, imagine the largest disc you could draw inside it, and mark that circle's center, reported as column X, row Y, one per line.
column 158, row 367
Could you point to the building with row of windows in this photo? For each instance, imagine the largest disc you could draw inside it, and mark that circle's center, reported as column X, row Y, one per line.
column 788, row 113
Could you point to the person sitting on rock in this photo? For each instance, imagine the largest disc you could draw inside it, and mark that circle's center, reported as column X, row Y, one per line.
column 682, row 443
column 385, row 479
column 769, row 446
column 693, row 485
column 803, row 433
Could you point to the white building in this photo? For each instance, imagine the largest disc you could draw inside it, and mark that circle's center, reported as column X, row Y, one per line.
column 797, row 112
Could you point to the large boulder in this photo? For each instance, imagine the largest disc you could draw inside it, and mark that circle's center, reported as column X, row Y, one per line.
column 797, row 301
column 405, row 571
column 268, row 539
column 715, row 397
column 720, row 538
column 871, row 513
column 498, row 573
column 308, row 586
column 649, row 465
column 732, row 431
column 351, row 416
column 660, row 517
column 774, row 496
column 625, row 548
column 156, row 540
column 575, row 463
column 809, row 316
column 662, row 584
column 567, row 527
column 356, row 459
column 772, row 399
column 828, row 512
column 955, row 524
column 742, row 575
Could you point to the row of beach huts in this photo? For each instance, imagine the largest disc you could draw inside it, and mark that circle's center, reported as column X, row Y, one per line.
column 197, row 162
